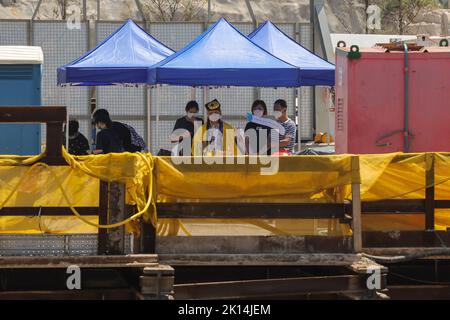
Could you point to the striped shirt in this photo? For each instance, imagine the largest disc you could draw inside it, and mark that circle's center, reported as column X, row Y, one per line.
column 291, row 132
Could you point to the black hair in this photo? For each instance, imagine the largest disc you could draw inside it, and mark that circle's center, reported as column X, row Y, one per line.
column 73, row 127
column 192, row 104
column 260, row 103
column 282, row 103
column 102, row 115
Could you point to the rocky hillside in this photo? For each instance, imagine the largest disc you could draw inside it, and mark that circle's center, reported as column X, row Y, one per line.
column 345, row 16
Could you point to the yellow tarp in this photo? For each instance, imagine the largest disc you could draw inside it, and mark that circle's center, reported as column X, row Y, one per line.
column 299, row 179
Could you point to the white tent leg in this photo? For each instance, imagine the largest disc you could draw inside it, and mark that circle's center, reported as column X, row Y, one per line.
column 149, row 119
column 158, row 97
column 299, row 120
column 67, row 117
column 205, row 101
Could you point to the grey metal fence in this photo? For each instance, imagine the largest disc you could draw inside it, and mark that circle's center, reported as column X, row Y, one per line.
column 62, row 45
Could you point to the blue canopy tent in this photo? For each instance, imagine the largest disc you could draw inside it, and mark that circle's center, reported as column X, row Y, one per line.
column 314, row 70
column 122, row 58
column 223, row 56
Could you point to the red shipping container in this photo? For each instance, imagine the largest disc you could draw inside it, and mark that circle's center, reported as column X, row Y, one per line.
column 370, row 100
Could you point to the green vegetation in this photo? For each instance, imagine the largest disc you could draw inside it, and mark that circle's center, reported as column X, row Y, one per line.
column 401, row 13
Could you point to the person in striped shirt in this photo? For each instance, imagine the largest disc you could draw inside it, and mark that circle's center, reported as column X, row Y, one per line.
column 287, row 140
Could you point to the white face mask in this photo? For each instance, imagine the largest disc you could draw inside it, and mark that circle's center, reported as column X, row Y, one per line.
column 214, row 117
column 277, row 114
column 258, row 113
column 191, row 115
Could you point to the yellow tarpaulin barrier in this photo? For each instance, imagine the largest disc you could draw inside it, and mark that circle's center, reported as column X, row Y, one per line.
column 299, row 179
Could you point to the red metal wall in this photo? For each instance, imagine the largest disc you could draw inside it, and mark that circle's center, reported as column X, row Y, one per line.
column 370, row 101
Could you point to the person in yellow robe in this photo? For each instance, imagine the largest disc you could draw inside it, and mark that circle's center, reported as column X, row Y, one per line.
column 215, row 137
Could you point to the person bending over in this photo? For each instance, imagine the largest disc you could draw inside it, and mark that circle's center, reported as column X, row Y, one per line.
column 108, row 140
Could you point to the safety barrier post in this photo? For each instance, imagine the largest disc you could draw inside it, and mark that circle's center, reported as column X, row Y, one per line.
column 429, row 192
column 356, row 208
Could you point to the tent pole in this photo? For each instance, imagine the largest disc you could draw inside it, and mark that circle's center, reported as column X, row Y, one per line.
column 205, row 101
column 149, row 118
column 67, row 117
column 158, row 97
column 299, row 120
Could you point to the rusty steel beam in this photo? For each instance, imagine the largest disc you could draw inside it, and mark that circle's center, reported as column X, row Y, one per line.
column 90, row 294
column 419, row 292
column 58, row 262
column 277, row 244
column 380, row 239
column 255, row 259
column 251, row 210
column 271, row 288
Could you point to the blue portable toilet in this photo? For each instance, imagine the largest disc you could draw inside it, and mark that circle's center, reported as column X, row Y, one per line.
column 20, row 84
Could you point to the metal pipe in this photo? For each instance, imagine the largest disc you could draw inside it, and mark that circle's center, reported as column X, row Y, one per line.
column 158, row 103
column 36, row 10
column 98, row 10
column 252, row 14
column 149, row 118
column 406, row 131
column 84, row 10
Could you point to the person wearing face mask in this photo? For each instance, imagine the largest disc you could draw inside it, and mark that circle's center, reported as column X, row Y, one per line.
column 78, row 144
column 259, row 109
column 214, row 134
column 287, row 140
column 131, row 140
column 186, row 123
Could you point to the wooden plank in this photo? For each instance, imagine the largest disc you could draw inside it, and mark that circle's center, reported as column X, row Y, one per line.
column 205, row 210
column 47, row 211
column 269, row 287
column 229, row 210
column 429, row 192
column 442, row 204
column 252, row 244
column 414, row 206
column 286, row 259
column 356, row 219
column 364, row 265
column 33, row 114
column 54, row 142
column 148, row 238
column 286, row 164
column 124, row 261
